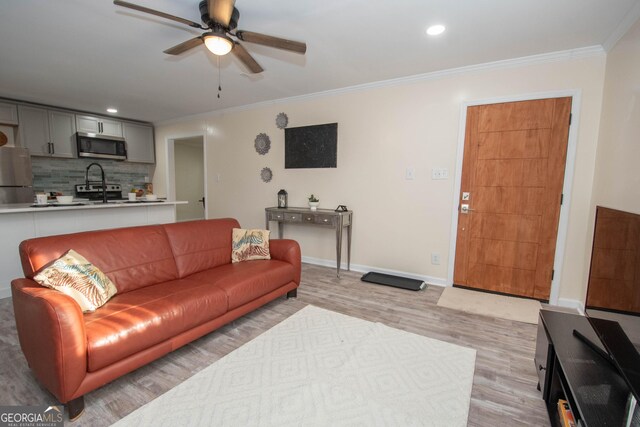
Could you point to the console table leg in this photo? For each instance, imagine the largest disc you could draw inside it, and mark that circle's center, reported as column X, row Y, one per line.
column 338, row 245
column 349, row 247
column 280, row 230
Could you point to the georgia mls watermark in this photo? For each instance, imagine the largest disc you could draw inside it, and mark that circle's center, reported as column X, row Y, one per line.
column 31, row 416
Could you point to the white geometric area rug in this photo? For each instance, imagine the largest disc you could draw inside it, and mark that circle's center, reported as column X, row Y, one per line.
column 321, row 368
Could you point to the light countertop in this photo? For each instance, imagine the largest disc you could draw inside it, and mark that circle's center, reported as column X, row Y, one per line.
column 54, row 207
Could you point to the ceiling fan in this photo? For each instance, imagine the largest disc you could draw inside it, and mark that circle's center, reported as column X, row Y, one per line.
column 221, row 19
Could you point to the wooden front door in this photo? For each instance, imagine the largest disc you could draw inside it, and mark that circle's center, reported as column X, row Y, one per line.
column 509, row 204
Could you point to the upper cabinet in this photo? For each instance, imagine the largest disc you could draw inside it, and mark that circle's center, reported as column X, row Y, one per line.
column 99, row 126
column 47, row 132
column 8, row 114
column 140, row 144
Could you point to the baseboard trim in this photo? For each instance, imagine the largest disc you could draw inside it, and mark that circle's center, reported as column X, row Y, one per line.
column 5, row 293
column 571, row 303
column 430, row 280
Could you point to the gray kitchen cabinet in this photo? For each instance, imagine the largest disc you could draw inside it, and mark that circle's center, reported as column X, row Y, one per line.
column 47, row 132
column 8, row 113
column 99, row 126
column 140, row 143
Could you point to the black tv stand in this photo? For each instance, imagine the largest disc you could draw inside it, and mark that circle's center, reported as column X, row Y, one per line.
column 570, row 370
column 593, row 346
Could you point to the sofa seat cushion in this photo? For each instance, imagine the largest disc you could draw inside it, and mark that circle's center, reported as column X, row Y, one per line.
column 136, row 320
column 245, row 281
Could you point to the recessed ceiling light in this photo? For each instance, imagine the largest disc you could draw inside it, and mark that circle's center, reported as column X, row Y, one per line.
column 435, row 30
column 112, row 110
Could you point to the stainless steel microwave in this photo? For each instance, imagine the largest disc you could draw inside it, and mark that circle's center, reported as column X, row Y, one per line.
column 101, row 147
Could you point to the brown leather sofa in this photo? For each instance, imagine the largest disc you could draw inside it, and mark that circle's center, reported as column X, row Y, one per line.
column 175, row 284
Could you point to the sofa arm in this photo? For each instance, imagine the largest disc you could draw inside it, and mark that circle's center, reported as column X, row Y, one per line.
column 52, row 336
column 288, row 251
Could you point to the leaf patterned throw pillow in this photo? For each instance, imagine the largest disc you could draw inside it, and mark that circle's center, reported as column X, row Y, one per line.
column 250, row 245
column 73, row 275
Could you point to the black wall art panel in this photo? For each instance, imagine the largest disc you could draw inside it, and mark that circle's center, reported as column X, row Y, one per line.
column 311, row 146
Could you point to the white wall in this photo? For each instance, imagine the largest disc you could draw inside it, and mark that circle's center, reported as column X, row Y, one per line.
column 382, row 131
column 617, row 180
column 617, row 177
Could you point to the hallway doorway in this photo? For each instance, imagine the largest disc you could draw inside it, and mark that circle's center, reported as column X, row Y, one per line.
column 189, row 174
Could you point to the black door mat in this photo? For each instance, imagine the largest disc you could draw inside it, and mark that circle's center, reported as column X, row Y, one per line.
column 395, row 281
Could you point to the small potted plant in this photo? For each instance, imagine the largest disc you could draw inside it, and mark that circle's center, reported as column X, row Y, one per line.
column 132, row 195
column 313, row 202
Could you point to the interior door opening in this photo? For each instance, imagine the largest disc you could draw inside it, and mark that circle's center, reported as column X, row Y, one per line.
column 189, row 175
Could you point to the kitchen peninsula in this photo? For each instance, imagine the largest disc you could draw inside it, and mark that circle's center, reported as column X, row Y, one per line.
column 19, row 222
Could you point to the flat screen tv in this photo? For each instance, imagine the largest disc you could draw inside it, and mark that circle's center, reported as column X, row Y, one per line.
column 613, row 294
column 613, row 290
column 311, row 146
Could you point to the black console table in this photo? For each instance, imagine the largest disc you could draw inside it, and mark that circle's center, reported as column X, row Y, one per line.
column 568, row 369
column 320, row 217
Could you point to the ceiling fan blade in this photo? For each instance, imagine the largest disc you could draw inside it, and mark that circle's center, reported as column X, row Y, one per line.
column 220, row 11
column 271, row 41
column 158, row 13
column 184, row 46
column 241, row 53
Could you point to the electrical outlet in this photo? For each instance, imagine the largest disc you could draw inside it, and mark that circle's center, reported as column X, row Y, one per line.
column 409, row 174
column 146, row 179
column 218, row 177
column 435, row 259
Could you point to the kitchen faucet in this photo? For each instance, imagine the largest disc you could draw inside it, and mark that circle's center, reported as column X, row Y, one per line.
column 104, row 183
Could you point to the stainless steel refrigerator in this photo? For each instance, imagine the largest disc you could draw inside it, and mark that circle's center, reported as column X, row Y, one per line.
column 16, row 179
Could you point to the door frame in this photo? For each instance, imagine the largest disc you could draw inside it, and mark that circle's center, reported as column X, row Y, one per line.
column 171, row 165
column 563, row 224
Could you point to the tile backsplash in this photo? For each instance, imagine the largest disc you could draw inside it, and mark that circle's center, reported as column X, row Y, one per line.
column 50, row 174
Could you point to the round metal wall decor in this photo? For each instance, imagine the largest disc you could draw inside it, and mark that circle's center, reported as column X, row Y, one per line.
column 266, row 174
column 262, row 143
column 282, row 120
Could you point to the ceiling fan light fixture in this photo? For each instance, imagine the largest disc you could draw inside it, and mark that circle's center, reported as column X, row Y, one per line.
column 218, row 44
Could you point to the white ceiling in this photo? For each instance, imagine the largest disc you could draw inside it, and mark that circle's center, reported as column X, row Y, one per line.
column 90, row 54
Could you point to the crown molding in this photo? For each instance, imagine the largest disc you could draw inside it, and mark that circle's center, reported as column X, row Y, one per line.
column 572, row 54
column 623, row 27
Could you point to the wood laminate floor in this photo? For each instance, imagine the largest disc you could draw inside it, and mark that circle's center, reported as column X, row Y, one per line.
column 504, row 387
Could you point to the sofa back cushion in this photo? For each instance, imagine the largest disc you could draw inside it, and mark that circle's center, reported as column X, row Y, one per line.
column 132, row 257
column 201, row 245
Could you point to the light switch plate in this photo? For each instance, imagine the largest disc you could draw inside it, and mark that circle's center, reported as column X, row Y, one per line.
column 439, row 173
column 409, row 174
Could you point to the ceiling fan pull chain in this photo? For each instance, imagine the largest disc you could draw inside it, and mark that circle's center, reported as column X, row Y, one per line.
column 219, row 77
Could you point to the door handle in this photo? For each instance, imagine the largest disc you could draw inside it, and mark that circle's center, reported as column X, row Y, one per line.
column 202, row 201
column 465, row 209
